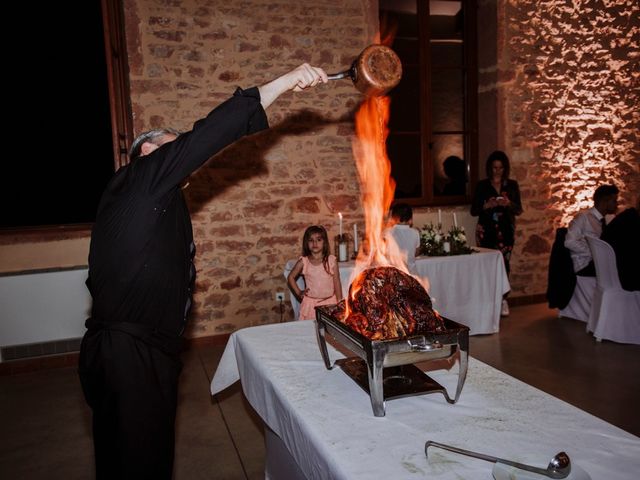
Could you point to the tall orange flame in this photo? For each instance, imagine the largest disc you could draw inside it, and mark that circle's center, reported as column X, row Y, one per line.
column 377, row 189
column 374, row 171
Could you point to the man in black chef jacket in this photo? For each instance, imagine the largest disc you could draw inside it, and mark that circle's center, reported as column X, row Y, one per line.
column 140, row 277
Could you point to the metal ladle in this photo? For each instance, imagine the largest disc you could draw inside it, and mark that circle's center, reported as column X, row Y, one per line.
column 559, row 466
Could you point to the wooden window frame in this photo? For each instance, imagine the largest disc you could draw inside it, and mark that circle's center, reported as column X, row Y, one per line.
column 118, row 79
column 470, row 95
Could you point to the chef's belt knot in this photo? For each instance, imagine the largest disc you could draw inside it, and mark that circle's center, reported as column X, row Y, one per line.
column 170, row 344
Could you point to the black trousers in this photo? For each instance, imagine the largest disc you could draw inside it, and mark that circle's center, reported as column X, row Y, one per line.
column 132, row 389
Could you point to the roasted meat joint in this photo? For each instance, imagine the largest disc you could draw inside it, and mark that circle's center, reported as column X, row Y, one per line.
column 386, row 303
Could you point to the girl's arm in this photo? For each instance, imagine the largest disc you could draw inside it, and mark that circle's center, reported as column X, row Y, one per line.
column 291, row 280
column 337, row 285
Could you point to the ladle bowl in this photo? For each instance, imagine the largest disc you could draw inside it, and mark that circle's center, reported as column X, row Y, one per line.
column 559, row 466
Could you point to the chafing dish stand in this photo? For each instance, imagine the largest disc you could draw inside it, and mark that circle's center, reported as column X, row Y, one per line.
column 384, row 368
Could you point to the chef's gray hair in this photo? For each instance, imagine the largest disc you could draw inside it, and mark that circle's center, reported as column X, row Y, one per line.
column 149, row 136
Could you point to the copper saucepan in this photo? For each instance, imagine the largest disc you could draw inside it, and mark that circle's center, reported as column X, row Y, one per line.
column 376, row 70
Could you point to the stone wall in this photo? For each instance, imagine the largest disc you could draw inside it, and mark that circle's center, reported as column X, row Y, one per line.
column 568, row 95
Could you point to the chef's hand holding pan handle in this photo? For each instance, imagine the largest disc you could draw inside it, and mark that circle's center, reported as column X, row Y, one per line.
column 298, row 79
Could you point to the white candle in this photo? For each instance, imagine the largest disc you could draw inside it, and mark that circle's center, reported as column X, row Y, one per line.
column 342, row 252
column 455, row 220
column 355, row 237
column 439, row 217
column 340, row 216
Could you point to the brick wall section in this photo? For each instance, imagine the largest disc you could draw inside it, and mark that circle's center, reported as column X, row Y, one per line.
column 251, row 204
column 568, row 96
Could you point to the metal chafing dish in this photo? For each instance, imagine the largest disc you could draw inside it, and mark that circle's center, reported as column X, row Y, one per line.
column 384, row 368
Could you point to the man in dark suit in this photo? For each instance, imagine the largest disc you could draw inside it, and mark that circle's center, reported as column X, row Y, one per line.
column 623, row 234
column 141, row 275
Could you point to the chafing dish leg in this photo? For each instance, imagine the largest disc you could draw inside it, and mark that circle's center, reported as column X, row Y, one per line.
column 376, row 386
column 322, row 343
column 462, row 372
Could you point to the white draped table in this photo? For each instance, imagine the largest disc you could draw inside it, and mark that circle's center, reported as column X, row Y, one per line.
column 465, row 288
column 325, row 425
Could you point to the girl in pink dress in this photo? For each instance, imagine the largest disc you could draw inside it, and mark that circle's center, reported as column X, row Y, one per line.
column 320, row 272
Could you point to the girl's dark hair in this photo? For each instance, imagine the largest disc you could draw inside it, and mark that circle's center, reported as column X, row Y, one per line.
column 325, row 247
column 503, row 159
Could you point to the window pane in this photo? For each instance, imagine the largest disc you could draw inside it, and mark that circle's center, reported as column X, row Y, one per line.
column 445, row 20
column 45, row 190
column 428, row 125
column 450, row 171
column 405, row 109
column 405, row 106
column 446, row 55
column 406, row 170
column 447, row 100
column 401, row 18
column 407, row 50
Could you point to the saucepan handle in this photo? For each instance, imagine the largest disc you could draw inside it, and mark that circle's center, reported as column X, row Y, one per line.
column 338, row 76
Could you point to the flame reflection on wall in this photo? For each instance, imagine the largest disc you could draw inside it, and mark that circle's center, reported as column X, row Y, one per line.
column 573, row 98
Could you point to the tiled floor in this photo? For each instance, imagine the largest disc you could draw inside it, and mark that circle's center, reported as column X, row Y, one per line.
column 46, row 425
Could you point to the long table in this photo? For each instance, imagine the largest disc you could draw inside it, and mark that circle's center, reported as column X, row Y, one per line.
column 465, row 288
column 323, row 421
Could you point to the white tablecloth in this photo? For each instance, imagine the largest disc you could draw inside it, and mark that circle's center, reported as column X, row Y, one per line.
column 465, row 288
column 326, row 422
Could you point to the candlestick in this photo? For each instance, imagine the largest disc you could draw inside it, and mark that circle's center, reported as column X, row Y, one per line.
column 455, row 220
column 439, row 217
column 342, row 252
column 340, row 216
column 355, row 237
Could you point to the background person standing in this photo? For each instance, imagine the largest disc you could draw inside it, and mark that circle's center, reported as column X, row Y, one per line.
column 496, row 203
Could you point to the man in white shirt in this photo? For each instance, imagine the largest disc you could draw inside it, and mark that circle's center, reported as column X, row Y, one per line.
column 590, row 223
column 403, row 235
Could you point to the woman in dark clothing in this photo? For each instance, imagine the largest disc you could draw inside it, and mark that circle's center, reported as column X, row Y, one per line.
column 496, row 202
column 141, row 275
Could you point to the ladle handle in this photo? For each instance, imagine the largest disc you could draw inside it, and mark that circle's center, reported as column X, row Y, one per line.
column 338, row 76
column 489, row 458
